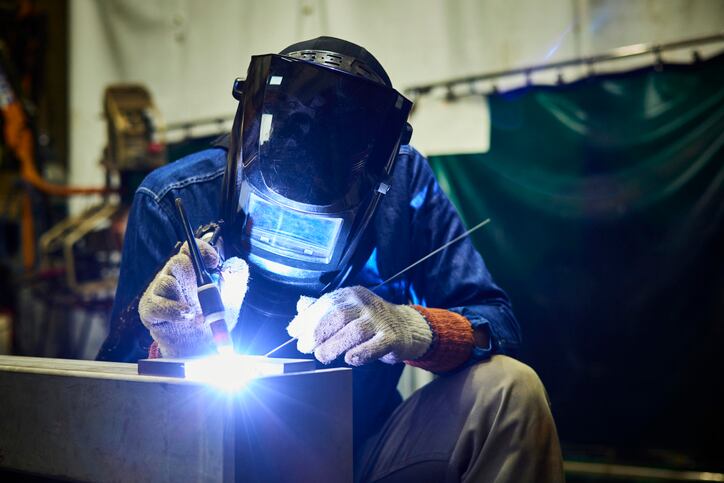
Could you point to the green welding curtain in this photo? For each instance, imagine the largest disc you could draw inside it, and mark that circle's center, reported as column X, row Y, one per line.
column 607, row 198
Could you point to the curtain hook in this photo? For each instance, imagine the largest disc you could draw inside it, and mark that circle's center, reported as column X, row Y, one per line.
column 449, row 95
column 696, row 56
column 559, row 78
column 658, row 61
column 528, row 80
column 591, row 70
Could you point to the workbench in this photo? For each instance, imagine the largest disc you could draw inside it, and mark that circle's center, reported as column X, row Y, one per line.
column 100, row 421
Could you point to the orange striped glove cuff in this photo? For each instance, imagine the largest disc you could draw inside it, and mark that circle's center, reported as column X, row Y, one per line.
column 154, row 352
column 452, row 343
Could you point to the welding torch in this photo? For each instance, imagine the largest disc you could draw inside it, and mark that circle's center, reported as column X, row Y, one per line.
column 212, row 306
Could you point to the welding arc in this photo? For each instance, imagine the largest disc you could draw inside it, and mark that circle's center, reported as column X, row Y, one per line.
column 457, row 238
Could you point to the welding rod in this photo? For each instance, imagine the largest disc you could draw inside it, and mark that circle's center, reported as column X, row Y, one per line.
column 280, row 346
column 209, row 297
column 457, row 238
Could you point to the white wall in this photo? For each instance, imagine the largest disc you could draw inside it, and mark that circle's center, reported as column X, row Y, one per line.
column 189, row 51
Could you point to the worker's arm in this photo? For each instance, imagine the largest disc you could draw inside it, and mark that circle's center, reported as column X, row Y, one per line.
column 462, row 315
column 472, row 314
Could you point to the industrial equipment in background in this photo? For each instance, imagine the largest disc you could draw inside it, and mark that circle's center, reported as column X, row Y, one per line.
column 61, row 275
column 135, row 129
column 19, row 141
column 80, row 256
column 87, row 247
column 27, row 201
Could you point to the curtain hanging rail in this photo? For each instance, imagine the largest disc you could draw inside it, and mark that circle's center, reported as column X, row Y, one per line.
column 615, row 54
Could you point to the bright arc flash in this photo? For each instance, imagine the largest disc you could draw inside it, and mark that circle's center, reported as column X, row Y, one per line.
column 225, row 371
column 226, row 351
column 230, row 371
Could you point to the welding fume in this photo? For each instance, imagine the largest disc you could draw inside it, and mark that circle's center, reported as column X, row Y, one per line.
column 319, row 221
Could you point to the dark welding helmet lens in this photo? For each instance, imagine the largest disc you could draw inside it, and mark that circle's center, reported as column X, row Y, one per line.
column 319, row 135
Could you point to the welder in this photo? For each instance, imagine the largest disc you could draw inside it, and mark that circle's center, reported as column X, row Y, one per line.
column 319, row 198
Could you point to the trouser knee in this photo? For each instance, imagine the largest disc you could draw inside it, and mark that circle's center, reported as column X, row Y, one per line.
column 509, row 381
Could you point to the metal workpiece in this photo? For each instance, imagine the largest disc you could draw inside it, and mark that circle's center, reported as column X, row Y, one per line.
column 101, row 421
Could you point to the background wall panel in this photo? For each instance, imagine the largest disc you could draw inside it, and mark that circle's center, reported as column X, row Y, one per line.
column 188, row 52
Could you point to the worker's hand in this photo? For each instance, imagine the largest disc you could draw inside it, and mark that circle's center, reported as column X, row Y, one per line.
column 170, row 308
column 355, row 322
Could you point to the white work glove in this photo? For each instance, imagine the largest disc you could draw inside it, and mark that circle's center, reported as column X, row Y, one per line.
column 170, row 308
column 356, row 322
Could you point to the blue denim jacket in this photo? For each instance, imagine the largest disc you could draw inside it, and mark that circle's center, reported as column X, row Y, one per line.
column 413, row 218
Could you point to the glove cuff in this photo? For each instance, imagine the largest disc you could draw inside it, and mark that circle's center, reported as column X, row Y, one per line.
column 154, row 352
column 452, row 340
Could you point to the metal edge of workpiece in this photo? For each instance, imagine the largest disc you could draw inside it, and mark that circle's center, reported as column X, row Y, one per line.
column 104, row 370
column 120, row 376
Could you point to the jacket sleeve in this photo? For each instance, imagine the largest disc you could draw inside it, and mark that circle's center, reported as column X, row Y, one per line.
column 455, row 279
column 149, row 240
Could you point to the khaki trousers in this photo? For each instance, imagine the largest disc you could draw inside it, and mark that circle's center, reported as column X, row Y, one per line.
column 490, row 422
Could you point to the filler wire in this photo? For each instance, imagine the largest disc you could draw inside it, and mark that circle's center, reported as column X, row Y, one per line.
column 280, row 346
column 459, row 237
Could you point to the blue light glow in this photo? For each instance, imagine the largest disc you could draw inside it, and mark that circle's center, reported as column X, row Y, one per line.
column 419, row 198
column 559, row 41
column 290, row 233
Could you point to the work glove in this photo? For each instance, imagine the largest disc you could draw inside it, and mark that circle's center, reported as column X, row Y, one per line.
column 357, row 323
column 170, row 307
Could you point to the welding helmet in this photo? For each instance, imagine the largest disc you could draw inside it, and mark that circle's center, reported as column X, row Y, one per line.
column 314, row 142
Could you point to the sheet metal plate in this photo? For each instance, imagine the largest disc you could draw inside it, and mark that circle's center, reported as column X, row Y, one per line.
column 99, row 421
